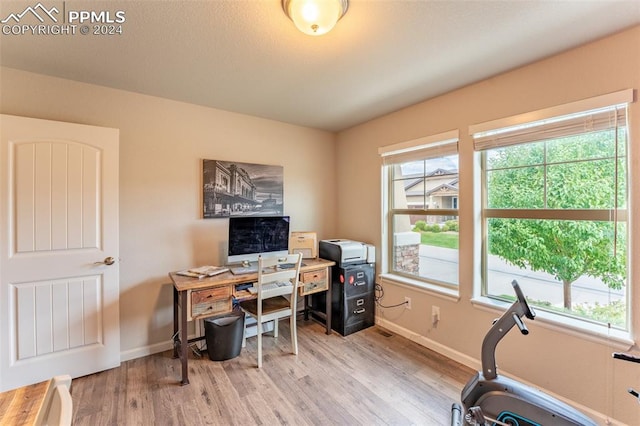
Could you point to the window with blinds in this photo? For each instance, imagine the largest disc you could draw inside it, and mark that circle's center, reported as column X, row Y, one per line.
column 421, row 198
column 555, row 191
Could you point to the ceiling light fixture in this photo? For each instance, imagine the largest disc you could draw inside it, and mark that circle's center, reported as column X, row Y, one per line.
column 315, row 17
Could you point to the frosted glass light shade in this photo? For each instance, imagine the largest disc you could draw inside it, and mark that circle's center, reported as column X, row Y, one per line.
column 315, row 17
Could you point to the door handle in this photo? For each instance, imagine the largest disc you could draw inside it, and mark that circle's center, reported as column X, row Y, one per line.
column 107, row 261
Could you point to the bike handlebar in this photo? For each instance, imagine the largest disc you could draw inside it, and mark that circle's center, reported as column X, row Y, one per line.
column 528, row 312
column 521, row 325
column 626, row 357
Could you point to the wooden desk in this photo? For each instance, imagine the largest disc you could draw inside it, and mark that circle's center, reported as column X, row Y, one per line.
column 201, row 298
column 21, row 406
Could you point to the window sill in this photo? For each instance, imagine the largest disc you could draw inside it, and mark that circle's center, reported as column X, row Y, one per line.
column 433, row 289
column 617, row 339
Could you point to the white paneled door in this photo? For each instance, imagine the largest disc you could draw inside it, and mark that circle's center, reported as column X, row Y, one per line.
column 59, row 267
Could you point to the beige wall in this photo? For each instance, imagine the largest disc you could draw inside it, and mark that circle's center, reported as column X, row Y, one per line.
column 569, row 365
column 162, row 144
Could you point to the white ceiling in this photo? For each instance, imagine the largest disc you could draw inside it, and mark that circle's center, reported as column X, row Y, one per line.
column 247, row 56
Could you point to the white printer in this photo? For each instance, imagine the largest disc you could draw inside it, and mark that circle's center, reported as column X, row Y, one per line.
column 347, row 252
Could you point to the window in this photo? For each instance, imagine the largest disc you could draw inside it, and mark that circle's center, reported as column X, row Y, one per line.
column 421, row 210
column 555, row 211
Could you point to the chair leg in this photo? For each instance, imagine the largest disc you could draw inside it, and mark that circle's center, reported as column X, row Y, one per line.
column 244, row 337
column 259, row 344
column 294, row 334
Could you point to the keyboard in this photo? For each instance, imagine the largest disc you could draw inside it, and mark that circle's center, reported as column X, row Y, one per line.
column 286, row 265
column 253, row 269
column 289, row 265
column 240, row 270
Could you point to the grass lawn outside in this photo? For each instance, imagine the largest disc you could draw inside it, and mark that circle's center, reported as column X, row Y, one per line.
column 440, row 239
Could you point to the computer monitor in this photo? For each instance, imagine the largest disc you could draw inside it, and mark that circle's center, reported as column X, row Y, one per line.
column 252, row 236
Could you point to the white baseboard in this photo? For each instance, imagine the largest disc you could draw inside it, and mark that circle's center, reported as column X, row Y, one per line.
column 430, row 344
column 145, row 350
column 476, row 365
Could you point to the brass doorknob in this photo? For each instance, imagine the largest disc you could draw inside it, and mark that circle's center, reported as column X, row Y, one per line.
column 107, row 261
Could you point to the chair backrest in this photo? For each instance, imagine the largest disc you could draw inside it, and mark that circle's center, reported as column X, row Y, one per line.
column 57, row 408
column 281, row 271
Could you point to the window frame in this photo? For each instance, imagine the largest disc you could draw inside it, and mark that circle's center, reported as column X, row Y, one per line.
column 435, row 146
column 616, row 214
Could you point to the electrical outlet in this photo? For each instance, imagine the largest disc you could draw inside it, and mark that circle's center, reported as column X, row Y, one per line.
column 435, row 314
column 407, row 302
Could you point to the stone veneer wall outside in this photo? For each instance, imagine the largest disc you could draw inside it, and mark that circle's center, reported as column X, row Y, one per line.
column 406, row 255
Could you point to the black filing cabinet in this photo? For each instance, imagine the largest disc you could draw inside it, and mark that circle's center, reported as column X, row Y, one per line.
column 352, row 298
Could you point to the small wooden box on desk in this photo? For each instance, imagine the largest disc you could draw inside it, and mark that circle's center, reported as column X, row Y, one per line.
column 195, row 298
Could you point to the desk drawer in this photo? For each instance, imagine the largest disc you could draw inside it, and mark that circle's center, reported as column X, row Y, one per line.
column 210, row 301
column 314, row 281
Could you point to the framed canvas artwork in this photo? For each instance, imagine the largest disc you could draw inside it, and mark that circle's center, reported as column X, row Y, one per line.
column 241, row 189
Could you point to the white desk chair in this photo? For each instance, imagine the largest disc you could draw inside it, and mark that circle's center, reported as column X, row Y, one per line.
column 57, row 407
column 277, row 278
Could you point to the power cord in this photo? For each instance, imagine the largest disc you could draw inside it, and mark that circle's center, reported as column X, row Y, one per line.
column 380, row 294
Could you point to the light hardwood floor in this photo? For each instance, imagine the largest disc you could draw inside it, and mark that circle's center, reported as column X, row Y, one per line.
column 372, row 377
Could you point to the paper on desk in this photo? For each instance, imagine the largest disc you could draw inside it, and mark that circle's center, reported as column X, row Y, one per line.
column 203, row 271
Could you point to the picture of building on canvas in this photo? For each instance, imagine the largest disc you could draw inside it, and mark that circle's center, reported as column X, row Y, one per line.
column 241, row 189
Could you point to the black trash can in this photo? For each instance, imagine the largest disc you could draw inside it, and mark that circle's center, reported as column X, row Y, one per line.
column 224, row 336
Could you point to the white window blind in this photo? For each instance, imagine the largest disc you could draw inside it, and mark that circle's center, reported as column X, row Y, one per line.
column 439, row 145
column 556, row 122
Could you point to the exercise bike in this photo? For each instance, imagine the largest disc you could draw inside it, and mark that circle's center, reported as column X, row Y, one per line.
column 489, row 399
